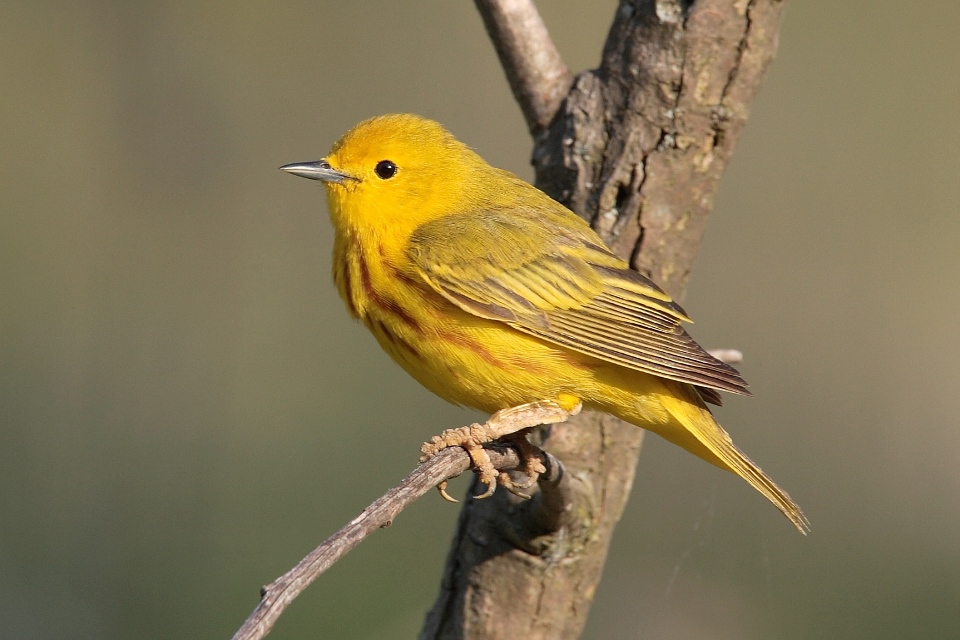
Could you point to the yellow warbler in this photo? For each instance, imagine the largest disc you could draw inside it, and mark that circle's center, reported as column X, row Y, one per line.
column 493, row 296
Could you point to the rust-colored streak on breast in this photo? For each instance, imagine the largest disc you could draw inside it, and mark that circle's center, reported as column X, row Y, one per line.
column 383, row 303
column 365, row 280
column 395, row 309
column 396, row 340
column 347, row 283
column 470, row 344
column 431, row 297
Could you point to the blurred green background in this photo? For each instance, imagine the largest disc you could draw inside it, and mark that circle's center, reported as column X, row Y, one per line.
column 187, row 409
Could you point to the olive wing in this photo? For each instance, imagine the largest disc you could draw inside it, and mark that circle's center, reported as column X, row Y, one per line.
column 549, row 275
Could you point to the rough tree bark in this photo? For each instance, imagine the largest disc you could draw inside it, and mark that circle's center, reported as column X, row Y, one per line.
column 637, row 147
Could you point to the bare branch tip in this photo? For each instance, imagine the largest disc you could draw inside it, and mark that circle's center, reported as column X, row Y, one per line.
column 730, row 356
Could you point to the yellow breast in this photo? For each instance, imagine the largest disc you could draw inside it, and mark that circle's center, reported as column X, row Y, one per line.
column 464, row 359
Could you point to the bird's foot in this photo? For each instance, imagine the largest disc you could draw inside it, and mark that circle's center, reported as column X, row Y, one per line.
column 506, row 422
column 532, row 464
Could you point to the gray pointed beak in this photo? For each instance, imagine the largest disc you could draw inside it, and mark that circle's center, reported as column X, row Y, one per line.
column 318, row 170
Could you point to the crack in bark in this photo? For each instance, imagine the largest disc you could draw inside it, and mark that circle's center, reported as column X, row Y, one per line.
column 721, row 115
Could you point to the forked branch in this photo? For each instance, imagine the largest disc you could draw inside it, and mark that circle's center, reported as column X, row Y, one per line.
column 537, row 74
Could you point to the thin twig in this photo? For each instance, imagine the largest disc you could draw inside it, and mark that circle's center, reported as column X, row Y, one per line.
column 449, row 463
column 730, row 356
column 536, row 72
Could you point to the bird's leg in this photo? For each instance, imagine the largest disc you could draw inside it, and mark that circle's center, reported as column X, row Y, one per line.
column 503, row 423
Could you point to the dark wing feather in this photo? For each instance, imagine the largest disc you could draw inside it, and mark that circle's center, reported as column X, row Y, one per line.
column 548, row 274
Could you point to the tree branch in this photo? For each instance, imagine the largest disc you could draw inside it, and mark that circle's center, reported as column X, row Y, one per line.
column 537, row 75
column 449, row 463
column 730, row 356
column 637, row 147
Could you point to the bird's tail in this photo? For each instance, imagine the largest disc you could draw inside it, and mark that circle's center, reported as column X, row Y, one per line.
column 702, row 436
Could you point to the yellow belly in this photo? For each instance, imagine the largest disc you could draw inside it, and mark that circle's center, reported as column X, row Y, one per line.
column 478, row 363
column 488, row 365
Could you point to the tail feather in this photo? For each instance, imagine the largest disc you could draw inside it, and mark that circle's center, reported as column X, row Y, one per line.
column 710, row 442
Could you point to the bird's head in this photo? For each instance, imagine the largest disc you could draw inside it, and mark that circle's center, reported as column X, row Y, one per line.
column 396, row 172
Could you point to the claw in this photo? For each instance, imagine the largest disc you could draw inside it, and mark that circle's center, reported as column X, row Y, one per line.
column 442, row 488
column 507, row 483
column 514, row 491
column 491, row 487
column 532, row 478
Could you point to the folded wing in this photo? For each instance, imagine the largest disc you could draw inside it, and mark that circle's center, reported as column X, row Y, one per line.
column 548, row 274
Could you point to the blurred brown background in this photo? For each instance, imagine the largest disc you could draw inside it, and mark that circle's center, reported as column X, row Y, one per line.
column 186, row 409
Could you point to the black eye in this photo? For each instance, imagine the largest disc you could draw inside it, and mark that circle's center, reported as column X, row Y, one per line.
column 385, row 169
